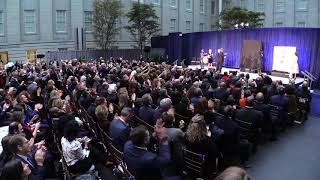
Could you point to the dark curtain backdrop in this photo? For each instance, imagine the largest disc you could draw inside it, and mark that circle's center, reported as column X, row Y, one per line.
column 305, row 39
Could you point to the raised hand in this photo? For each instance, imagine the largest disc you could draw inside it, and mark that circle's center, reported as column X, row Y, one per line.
column 39, row 156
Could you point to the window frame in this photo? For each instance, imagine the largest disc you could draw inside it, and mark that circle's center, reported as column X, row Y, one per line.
column 173, row 5
column 190, row 7
column 213, row 7
column 2, row 28
column 188, row 29
column 173, row 26
column 202, row 7
column 156, row 3
column 86, row 20
column 65, row 21
column 201, row 25
column 33, row 25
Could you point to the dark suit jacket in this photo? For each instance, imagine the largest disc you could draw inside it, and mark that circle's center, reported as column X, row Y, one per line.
column 228, row 142
column 220, row 57
column 182, row 109
column 143, row 164
column 221, row 94
column 119, row 132
column 283, row 103
column 146, row 114
column 37, row 172
column 157, row 115
column 280, row 101
column 248, row 114
column 265, row 109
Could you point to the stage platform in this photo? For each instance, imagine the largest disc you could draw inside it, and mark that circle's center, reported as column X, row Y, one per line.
column 298, row 80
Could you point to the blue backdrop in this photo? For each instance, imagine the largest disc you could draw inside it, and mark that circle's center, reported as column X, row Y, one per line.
column 185, row 46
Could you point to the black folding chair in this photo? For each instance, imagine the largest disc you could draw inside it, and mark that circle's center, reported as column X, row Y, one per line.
column 246, row 129
column 193, row 164
column 303, row 104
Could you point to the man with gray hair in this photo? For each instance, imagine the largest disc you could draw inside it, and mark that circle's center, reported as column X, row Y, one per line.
column 119, row 129
column 165, row 105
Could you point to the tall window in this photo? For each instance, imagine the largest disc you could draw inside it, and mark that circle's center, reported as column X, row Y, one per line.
column 140, row 1
column 243, row 3
column 260, row 6
column 29, row 21
column 172, row 25
column 188, row 26
column 88, row 23
column 202, row 6
column 61, row 21
column 279, row 6
column 213, row 7
column 301, row 5
column 173, row 3
column 1, row 23
column 156, row 1
column 201, row 27
column 188, row 4
column 226, row 4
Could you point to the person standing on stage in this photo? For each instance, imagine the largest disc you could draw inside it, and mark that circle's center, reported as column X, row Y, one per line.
column 202, row 55
column 210, row 59
column 294, row 66
column 259, row 62
column 220, row 59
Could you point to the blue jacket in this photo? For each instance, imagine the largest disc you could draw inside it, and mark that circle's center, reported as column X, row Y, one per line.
column 29, row 113
column 119, row 131
column 146, row 114
column 143, row 164
column 280, row 101
column 37, row 172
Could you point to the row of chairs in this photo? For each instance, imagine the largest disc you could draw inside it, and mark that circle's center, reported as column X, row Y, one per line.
column 65, row 173
column 106, row 141
column 193, row 162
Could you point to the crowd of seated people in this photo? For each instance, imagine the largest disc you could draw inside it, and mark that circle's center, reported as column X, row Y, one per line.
column 151, row 113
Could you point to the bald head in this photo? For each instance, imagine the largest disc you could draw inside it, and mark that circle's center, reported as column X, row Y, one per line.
column 250, row 101
column 260, row 97
column 223, row 85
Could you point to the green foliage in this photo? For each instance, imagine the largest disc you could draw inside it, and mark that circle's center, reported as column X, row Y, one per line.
column 143, row 24
column 236, row 15
column 106, row 14
column 81, row 58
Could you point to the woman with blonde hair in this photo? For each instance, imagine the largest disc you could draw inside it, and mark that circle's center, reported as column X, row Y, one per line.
column 102, row 117
column 123, row 100
column 199, row 141
column 58, row 103
column 123, row 97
